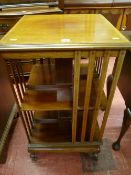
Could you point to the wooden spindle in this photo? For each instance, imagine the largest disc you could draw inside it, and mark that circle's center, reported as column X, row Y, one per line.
column 75, row 93
column 90, row 70
column 19, row 78
column 99, row 93
column 15, row 80
column 27, row 130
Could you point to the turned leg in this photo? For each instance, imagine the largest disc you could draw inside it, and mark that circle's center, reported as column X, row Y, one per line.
column 109, row 83
column 125, row 125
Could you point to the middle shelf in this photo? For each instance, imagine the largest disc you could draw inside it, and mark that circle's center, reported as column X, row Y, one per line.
column 37, row 101
column 50, row 87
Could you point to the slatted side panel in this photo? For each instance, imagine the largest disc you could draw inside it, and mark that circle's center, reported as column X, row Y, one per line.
column 101, row 82
column 117, row 70
column 18, row 87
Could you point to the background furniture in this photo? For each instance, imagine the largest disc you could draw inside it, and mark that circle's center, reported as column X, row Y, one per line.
column 124, row 85
column 59, row 104
column 118, row 12
column 12, row 11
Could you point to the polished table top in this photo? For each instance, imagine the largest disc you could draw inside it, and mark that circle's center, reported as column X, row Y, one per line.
column 64, row 31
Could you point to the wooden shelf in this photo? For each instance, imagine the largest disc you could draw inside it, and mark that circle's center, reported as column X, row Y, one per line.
column 46, row 101
column 49, row 94
column 60, row 130
column 51, row 75
column 53, row 93
column 44, row 117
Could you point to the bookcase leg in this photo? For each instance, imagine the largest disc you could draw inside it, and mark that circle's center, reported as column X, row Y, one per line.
column 94, row 156
column 109, row 83
column 33, row 156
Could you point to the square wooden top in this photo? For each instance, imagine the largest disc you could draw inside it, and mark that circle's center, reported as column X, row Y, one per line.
column 64, row 31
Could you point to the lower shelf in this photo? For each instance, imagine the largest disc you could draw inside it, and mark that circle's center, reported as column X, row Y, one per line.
column 56, row 127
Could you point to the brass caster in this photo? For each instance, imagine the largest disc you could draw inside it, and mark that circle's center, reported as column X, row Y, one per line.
column 94, row 156
column 33, row 156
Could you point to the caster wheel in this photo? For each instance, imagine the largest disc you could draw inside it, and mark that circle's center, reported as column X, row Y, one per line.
column 17, row 115
column 94, row 156
column 116, row 146
column 33, row 156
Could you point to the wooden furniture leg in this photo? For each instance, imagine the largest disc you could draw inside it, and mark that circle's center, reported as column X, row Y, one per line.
column 33, row 156
column 125, row 125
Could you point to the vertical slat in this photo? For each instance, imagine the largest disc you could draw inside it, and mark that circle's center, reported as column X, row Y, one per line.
column 22, row 73
column 28, row 121
column 13, row 88
column 100, row 64
column 75, row 93
column 20, row 78
column 21, row 89
column 25, row 125
column 31, row 115
column 99, row 93
column 96, row 65
column 22, row 82
column 120, row 19
column 124, row 20
column 52, row 70
column 113, row 86
column 16, row 83
column 90, row 71
column 17, row 101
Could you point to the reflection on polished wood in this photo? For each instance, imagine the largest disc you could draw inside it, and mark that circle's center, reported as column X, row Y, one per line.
column 65, row 31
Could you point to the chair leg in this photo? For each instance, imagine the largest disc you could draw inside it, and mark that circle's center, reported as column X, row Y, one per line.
column 109, row 83
column 125, row 125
